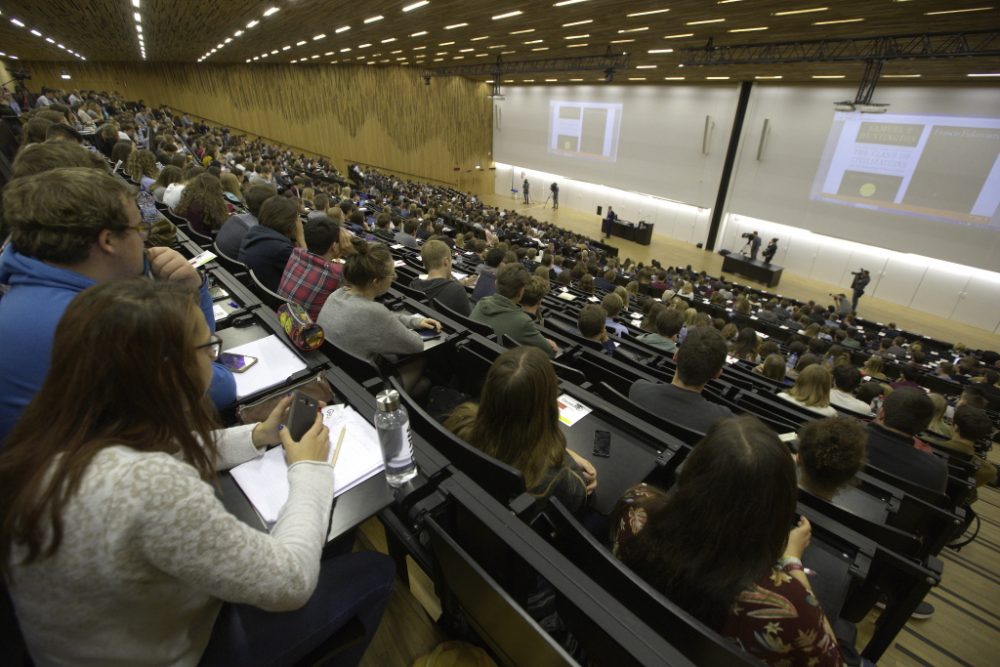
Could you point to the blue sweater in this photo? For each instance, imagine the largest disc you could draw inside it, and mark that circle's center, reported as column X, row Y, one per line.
column 37, row 295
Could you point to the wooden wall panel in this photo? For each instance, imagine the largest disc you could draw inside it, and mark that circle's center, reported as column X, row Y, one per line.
column 383, row 116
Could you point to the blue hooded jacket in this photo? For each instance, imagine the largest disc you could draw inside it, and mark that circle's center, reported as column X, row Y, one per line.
column 36, row 297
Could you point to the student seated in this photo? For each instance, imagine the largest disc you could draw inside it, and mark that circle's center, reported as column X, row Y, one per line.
column 728, row 556
column 892, row 443
column 517, row 421
column 812, row 391
column 267, row 246
column 746, row 344
column 667, row 324
column 114, row 543
column 203, row 205
column 591, row 325
column 486, row 284
column 314, row 272
column 230, row 236
column 405, row 236
column 354, row 321
column 501, row 311
column 971, row 425
column 612, row 305
column 439, row 283
column 699, row 359
column 938, row 425
column 831, row 452
column 773, row 368
column 72, row 228
column 846, row 380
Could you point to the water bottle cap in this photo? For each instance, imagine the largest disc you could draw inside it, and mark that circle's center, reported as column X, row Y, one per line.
column 388, row 400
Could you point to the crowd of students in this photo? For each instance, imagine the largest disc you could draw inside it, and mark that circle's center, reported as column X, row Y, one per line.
column 138, row 435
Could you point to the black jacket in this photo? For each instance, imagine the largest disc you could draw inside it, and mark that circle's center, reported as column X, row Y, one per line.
column 266, row 252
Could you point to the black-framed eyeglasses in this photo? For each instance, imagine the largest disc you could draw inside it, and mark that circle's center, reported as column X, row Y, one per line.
column 214, row 347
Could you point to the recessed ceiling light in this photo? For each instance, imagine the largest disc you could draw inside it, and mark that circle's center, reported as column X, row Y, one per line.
column 551, row 80
column 584, row 22
column 563, row 3
column 458, row 58
column 468, row 50
column 705, row 21
column 416, row 5
column 343, row 28
column 828, row 76
column 388, row 40
column 976, row 74
column 621, row 41
column 367, row 44
column 251, row 24
column 328, row 53
column 768, row 76
column 530, row 41
column 540, row 48
column 647, row 13
column 645, row 66
column 135, row 3
column 419, row 34
column 660, row 51
column 286, row 47
column 678, row 36
column 637, row 78
column 137, row 16
column 507, row 53
column 792, row 12
column 237, row 33
column 372, row 19
column 17, row 23
column 316, row 38
column 497, row 46
column 521, row 32
column 717, row 78
column 576, row 79
column 415, row 48
column 758, row 28
column 577, row 45
column 38, row 34
column 623, row 31
column 837, row 21
column 507, row 15
column 958, row 11
column 900, row 76
column 271, row 10
column 673, row 78
column 476, row 39
column 455, row 25
column 345, row 49
column 577, row 36
column 446, row 43
column 300, row 43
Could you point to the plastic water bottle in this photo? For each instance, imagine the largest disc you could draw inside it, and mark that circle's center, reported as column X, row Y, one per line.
column 393, row 426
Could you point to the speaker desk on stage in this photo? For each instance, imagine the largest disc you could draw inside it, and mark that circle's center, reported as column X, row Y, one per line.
column 754, row 269
column 641, row 232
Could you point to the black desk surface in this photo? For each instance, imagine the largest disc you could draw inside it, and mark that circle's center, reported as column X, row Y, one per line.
column 630, row 461
column 862, row 504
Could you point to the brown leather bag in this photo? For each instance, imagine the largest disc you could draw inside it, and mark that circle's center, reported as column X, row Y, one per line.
column 315, row 387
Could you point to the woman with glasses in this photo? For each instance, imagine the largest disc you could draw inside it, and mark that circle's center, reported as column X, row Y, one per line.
column 112, row 539
column 355, row 322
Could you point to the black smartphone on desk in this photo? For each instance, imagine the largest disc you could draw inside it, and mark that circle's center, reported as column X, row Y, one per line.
column 602, row 444
column 301, row 415
column 429, row 334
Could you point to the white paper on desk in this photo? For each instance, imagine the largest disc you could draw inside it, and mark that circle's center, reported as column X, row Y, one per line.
column 397, row 246
column 571, row 410
column 219, row 312
column 566, row 296
column 275, row 363
column 264, row 480
column 399, row 263
column 593, row 299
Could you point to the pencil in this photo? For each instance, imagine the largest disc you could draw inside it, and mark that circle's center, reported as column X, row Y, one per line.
column 336, row 449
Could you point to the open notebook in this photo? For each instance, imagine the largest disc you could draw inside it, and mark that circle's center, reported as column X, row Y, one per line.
column 264, row 480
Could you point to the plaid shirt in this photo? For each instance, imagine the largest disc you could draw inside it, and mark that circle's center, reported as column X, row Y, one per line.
column 309, row 279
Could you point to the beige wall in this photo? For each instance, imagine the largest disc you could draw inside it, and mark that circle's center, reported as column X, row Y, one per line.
column 381, row 116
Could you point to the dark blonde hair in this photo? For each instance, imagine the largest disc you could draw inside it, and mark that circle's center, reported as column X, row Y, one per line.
column 141, row 163
column 812, row 386
column 57, row 215
column 147, row 395
column 517, row 420
column 205, row 190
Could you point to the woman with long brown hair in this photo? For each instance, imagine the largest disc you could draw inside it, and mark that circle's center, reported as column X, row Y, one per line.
column 517, row 422
column 202, row 204
column 113, row 542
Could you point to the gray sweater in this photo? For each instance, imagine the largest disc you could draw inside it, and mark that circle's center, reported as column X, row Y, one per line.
column 367, row 328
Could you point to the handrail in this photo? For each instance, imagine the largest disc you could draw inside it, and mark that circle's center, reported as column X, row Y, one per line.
column 396, row 172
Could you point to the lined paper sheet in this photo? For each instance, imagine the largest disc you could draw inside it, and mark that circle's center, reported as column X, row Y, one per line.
column 264, row 480
column 276, row 362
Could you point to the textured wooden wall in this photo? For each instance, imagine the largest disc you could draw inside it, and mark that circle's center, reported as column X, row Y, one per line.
column 383, row 116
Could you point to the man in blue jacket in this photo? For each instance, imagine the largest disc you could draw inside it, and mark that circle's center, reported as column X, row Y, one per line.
column 72, row 228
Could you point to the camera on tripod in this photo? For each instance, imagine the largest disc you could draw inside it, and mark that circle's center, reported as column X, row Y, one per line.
column 746, row 235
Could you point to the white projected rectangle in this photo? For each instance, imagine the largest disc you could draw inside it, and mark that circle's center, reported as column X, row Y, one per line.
column 584, row 130
column 935, row 167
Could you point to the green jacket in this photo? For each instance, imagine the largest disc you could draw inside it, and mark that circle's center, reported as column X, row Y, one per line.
column 507, row 319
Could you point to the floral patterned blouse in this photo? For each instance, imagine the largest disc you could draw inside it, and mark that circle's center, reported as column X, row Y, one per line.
column 777, row 620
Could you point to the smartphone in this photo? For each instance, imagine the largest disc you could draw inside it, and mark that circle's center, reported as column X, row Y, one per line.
column 602, row 444
column 217, row 292
column 302, row 415
column 429, row 334
column 237, row 363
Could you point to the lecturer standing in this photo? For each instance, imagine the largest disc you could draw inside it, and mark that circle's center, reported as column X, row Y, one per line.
column 754, row 246
column 860, row 282
column 525, row 187
column 609, row 222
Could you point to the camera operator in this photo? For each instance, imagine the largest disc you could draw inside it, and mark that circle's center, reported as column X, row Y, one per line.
column 753, row 240
column 769, row 251
column 860, row 282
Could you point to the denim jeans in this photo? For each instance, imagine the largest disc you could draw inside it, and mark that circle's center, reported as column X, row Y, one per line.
column 355, row 584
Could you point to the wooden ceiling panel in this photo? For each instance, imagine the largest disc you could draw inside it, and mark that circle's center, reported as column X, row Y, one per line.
column 186, row 30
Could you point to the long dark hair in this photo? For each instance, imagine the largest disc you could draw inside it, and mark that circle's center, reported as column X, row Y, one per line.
column 517, row 420
column 725, row 522
column 124, row 372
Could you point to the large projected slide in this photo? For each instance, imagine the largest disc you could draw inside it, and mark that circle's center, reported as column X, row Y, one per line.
column 943, row 168
column 584, row 130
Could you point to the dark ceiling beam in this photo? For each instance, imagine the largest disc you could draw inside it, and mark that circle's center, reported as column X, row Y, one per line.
column 915, row 46
column 501, row 67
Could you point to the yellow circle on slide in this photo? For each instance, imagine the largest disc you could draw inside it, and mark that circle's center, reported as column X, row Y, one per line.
column 867, row 190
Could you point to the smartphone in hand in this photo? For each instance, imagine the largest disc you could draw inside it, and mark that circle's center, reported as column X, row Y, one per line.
column 301, row 415
column 237, row 363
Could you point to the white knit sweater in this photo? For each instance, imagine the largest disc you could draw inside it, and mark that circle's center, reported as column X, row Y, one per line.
column 149, row 553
